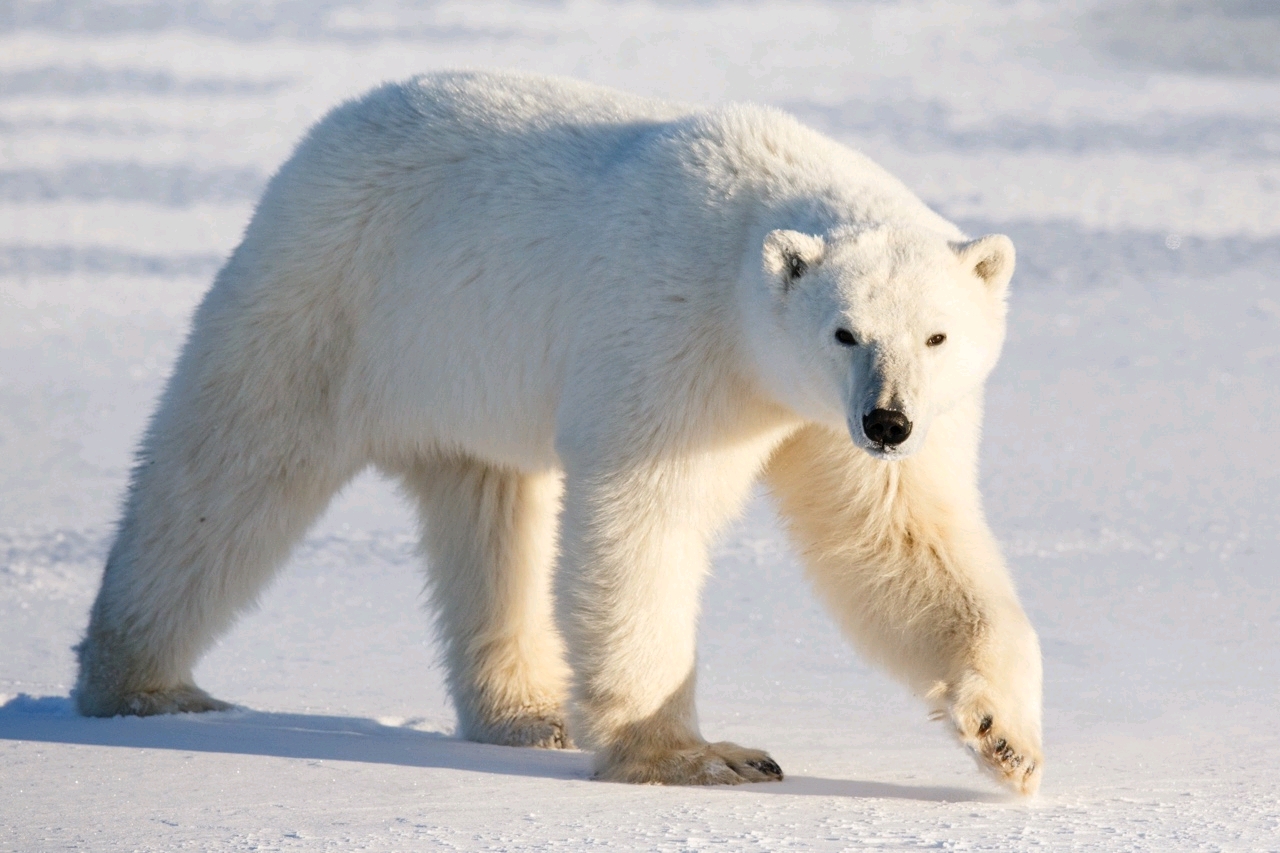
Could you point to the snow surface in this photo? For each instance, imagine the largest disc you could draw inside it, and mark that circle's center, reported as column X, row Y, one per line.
column 1131, row 459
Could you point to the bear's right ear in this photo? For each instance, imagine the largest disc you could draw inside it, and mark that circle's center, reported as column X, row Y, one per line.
column 991, row 259
column 788, row 255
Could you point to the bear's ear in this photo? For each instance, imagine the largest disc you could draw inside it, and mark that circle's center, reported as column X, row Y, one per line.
column 788, row 255
column 991, row 259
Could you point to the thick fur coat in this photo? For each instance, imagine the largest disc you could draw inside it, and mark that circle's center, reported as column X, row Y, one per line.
column 578, row 326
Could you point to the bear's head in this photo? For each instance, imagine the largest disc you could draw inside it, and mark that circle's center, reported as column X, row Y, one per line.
column 882, row 330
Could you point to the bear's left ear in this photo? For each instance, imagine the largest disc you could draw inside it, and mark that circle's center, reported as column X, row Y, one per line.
column 991, row 259
column 788, row 255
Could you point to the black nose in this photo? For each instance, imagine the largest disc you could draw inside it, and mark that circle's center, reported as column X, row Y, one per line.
column 886, row 427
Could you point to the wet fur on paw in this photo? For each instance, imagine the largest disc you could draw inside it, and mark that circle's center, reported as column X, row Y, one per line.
column 721, row 763
column 184, row 699
column 540, row 729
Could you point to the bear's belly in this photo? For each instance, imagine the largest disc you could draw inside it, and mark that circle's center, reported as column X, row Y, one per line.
column 517, row 433
column 457, row 378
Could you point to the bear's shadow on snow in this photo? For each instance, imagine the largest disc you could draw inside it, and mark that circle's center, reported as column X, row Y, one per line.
column 814, row 786
column 322, row 737
column 316, row 737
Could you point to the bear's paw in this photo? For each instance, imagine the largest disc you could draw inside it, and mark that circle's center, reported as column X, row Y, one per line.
column 183, row 699
column 539, row 729
column 721, row 763
column 1002, row 737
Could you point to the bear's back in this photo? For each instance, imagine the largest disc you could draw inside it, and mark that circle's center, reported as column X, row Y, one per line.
column 500, row 237
column 565, row 156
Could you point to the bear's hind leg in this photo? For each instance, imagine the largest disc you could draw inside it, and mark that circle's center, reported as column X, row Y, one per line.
column 197, row 544
column 490, row 539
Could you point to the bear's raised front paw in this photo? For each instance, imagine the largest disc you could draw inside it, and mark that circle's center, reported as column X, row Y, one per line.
column 721, row 763
column 1013, row 758
column 183, row 699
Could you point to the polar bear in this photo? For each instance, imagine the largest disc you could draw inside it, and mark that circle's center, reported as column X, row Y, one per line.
column 577, row 326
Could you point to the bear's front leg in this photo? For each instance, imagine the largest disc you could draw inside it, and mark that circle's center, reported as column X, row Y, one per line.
column 991, row 698
column 902, row 555
column 633, row 562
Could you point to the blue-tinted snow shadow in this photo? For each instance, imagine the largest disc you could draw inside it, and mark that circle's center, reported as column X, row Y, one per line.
column 813, row 786
column 321, row 737
column 52, row 719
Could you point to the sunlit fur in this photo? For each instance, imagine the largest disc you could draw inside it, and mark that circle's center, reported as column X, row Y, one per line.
column 571, row 323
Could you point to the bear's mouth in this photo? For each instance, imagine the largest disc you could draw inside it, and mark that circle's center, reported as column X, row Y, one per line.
column 885, row 453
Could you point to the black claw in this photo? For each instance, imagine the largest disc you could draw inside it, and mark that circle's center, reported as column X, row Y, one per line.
column 767, row 766
column 985, row 725
column 1000, row 745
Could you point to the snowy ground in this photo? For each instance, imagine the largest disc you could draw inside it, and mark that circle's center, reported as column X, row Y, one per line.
column 1131, row 459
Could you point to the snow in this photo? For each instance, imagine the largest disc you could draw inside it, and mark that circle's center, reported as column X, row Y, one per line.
column 1131, row 455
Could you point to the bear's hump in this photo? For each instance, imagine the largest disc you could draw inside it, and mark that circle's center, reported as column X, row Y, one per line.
column 768, row 154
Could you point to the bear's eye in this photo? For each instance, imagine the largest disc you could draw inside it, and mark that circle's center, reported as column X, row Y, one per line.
column 846, row 338
column 936, row 340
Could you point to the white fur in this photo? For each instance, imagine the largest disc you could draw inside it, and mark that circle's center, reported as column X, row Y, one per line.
column 532, row 300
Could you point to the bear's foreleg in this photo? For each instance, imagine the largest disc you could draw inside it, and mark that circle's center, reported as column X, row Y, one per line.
column 634, row 558
column 902, row 555
column 490, row 536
